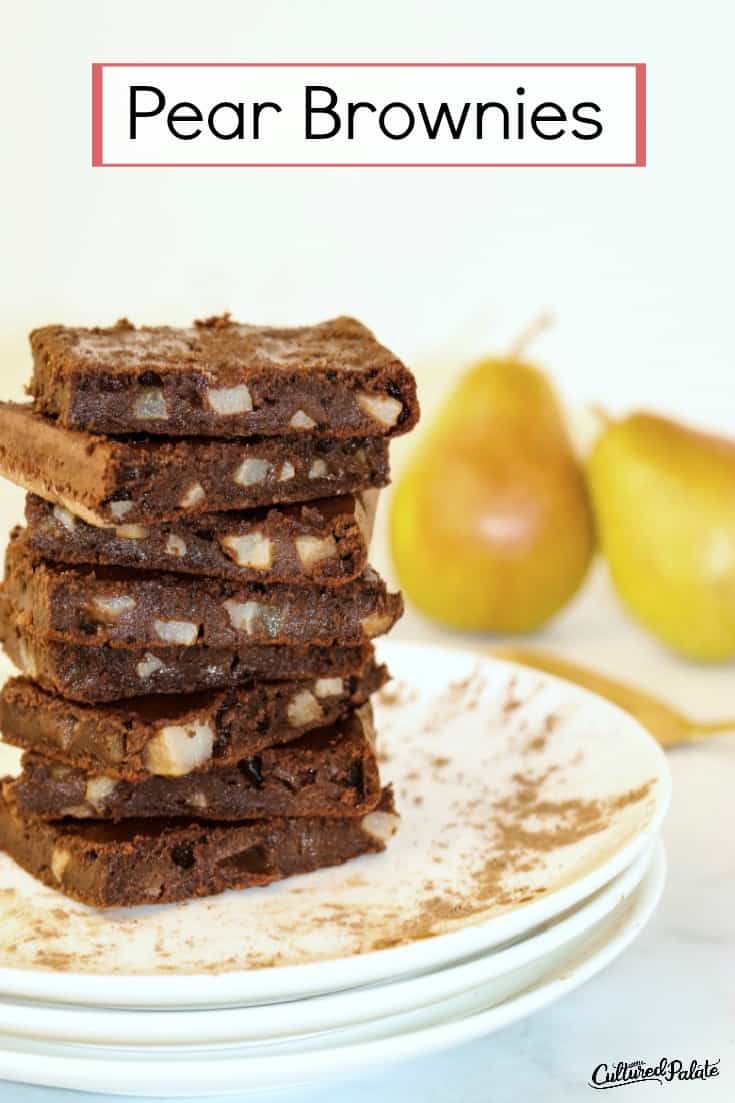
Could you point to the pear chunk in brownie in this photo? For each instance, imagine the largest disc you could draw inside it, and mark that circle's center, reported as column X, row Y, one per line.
column 107, row 864
column 324, row 542
column 192, row 607
column 171, row 736
column 142, row 481
column 101, row 605
column 95, row 674
column 220, row 378
column 327, row 772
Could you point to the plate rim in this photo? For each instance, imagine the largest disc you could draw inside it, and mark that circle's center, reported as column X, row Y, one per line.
column 328, row 1065
column 279, row 983
column 457, row 978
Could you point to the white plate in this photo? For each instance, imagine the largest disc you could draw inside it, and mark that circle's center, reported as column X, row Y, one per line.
column 240, row 1070
column 520, row 796
column 98, row 1026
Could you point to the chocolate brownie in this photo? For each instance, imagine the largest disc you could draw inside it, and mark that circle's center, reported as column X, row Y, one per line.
column 219, row 378
column 112, row 482
column 96, row 674
column 134, row 609
column 328, row 772
column 173, row 736
column 160, row 861
column 323, row 542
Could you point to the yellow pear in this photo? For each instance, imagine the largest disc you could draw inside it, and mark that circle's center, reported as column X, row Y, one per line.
column 491, row 527
column 664, row 498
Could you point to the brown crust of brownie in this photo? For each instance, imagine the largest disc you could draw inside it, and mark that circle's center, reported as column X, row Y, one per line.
column 124, row 741
column 161, row 861
column 327, row 772
column 210, row 544
column 110, row 482
column 135, row 609
column 91, row 378
column 98, row 674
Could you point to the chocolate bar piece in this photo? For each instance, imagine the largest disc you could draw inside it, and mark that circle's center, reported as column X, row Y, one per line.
column 323, row 542
column 219, row 378
column 174, row 736
column 111, row 482
column 134, row 609
column 160, row 861
column 328, row 772
column 96, row 674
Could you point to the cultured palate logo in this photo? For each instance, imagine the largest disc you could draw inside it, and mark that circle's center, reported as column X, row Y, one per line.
column 667, row 1070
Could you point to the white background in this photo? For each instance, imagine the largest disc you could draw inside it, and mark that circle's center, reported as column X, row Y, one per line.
column 636, row 264
column 445, row 265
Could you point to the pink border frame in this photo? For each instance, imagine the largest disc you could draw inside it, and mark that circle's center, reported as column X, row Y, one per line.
column 640, row 112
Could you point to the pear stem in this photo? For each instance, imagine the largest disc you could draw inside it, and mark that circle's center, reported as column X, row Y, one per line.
column 601, row 413
column 528, row 335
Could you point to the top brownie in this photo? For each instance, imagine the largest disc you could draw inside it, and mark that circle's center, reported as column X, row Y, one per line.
column 220, row 378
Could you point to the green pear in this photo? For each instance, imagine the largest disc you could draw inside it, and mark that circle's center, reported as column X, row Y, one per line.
column 491, row 526
column 664, row 498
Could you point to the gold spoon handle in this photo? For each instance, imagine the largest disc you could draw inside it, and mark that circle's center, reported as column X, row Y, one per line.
column 703, row 728
column 666, row 724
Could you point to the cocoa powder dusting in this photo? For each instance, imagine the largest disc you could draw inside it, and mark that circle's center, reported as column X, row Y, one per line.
column 396, row 695
column 479, row 844
column 522, row 828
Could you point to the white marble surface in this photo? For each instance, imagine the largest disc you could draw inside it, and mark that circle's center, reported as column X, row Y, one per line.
column 672, row 993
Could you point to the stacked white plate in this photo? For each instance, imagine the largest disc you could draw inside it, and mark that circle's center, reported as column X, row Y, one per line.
column 527, row 859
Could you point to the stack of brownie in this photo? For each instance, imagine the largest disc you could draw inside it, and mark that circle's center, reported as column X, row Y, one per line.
column 192, row 608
